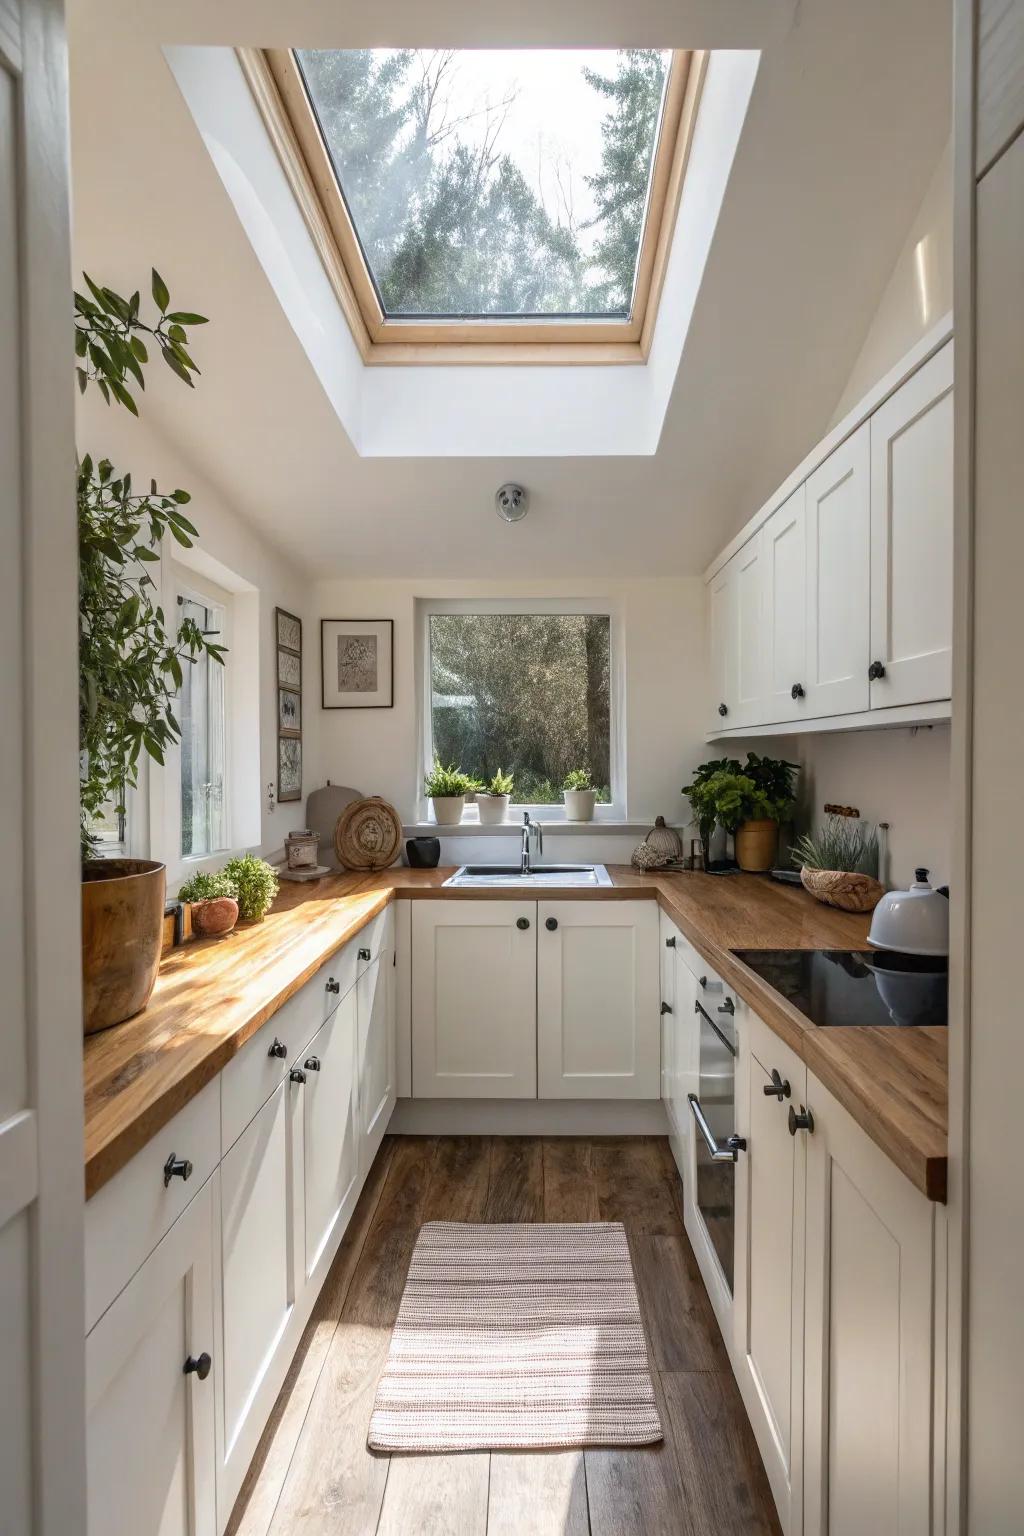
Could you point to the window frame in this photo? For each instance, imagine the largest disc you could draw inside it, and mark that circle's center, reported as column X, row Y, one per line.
column 278, row 88
column 615, row 810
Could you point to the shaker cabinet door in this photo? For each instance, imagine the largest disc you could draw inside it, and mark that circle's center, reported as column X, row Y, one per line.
column 375, row 1009
column 784, row 546
column 838, row 513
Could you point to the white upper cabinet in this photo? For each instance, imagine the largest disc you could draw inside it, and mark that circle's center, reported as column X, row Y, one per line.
column 840, row 602
column 474, row 1005
column 598, row 1021
column 912, row 538
column 784, row 553
column 838, row 566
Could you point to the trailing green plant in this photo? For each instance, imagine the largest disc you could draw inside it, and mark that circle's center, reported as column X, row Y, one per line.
column 204, row 886
column 500, row 784
column 578, row 779
column 843, row 843
column 130, row 660
column 443, row 783
column 256, row 883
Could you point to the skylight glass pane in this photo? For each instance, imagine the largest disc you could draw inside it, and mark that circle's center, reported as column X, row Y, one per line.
column 491, row 184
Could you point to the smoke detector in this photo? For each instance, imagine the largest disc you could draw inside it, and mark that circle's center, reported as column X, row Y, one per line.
column 512, row 502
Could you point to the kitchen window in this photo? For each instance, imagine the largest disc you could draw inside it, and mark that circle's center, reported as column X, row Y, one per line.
column 530, row 688
column 202, row 752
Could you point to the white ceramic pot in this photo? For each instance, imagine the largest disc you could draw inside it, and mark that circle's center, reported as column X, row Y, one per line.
column 579, row 804
column 493, row 809
column 448, row 809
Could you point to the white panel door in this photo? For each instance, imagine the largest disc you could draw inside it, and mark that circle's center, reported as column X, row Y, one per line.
column 750, row 648
column 375, row 1008
column 784, row 552
column 769, row 1259
column 151, row 1444
column 330, row 1118
column 258, row 1259
column 869, row 1300
column 912, row 538
column 722, row 645
column 838, row 516
column 598, row 1023
column 474, row 1002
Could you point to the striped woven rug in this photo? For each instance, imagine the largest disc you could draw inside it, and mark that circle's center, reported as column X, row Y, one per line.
column 516, row 1337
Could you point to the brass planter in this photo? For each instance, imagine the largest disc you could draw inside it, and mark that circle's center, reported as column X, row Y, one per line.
column 757, row 845
column 122, row 933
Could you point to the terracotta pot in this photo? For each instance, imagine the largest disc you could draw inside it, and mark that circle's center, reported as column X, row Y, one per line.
column 757, row 845
column 122, row 934
column 214, row 917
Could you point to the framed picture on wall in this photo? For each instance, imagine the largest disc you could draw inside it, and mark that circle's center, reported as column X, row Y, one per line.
column 289, row 630
column 357, row 663
column 289, row 768
column 289, row 712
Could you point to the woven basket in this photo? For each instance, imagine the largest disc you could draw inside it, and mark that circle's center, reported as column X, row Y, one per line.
column 838, row 888
column 368, row 834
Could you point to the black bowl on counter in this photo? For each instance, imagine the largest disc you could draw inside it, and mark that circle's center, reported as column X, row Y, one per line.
column 423, row 852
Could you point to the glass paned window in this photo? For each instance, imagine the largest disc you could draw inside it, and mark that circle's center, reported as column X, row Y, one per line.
column 201, row 717
column 528, row 693
column 487, row 184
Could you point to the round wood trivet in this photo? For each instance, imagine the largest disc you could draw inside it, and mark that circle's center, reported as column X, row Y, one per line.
column 368, row 834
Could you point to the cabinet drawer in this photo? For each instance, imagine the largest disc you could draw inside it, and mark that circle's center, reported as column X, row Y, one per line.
column 371, row 942
column 126, row 1219
column 708, row 980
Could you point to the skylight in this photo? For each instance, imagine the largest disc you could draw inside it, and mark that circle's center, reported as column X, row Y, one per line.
column 487, row 205
column 493, row 184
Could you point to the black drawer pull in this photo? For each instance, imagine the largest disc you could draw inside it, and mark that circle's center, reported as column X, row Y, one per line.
column 670, row 942
column 551, row 923
column 312, row 1063
column 364, row 954
column 522, row 923
column 804, row 1121
column 721, row 1035
column 666, row 1008
column 296, row 1075
column 198, row 1367
column 778, row 1088
column 876, row 671
column 177, row 1168
column 797, row 691
column 723, row 710
column 278, row 1049
column 332, row 985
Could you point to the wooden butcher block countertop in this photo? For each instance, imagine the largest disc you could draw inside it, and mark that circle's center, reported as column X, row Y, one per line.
column 213, row 994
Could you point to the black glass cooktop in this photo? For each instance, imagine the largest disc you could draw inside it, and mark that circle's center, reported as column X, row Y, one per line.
column 841, row 986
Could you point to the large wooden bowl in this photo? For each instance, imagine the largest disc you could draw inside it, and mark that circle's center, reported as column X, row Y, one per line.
column 368, row 834
column 839, row 888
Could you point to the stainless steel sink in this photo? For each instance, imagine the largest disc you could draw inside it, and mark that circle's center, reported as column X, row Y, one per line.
column 539, row 875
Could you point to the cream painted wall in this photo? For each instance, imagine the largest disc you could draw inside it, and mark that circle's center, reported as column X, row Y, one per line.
column 918, row 293
column 376, row 751
column 228, row 546
column 898, row 776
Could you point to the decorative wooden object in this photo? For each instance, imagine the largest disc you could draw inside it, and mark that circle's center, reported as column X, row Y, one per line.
column 122, row 935
column 840, row 888
column 368, row 834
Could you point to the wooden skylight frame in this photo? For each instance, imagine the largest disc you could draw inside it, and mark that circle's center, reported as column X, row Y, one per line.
column 280, row 94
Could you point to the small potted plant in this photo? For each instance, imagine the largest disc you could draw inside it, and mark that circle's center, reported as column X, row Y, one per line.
column 447, row 788
column 492, row 801
column 838, row 864
column 213, row 899
column 579, row 794
column 749, row 802
column 256, row 884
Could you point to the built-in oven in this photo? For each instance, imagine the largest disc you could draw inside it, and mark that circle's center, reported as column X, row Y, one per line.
column 716, row 1144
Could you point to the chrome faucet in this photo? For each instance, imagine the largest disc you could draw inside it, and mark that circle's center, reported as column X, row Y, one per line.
column 528, row 827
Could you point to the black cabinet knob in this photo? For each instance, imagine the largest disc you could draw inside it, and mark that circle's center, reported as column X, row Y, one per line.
column 551, row 924
column 778, row 1088
column 723, row 710
column 670, row 942
column 804, row 1121
column 332, row 985
column 364, row 954
column 666, row 1007
column 176, row 1168
column 296, row 1075
column 797, row 691
column 702, row 981
column 312, row 1063
column 523, row 923
column 876, row 670
column 728, row 1006
column 198, row 1366
column 278, row 1049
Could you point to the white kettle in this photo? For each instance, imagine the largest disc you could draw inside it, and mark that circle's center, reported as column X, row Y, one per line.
column 915, row 922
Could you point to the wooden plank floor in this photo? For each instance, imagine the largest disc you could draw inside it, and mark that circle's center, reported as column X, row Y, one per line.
column 313, row 1475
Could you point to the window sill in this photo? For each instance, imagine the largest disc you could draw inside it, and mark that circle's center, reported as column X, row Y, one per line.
column 554, row 828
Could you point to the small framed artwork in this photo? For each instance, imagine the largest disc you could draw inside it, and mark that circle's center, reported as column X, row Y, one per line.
column 357, row 663
column 289, row 631
column 289, row 712
column 289, row 670
column 289, row 768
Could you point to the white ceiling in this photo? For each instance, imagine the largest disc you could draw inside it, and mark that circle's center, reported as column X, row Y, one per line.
column 849, row 114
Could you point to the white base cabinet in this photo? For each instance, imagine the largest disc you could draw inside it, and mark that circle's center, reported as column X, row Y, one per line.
column 151, row 1448
column 302, row 1109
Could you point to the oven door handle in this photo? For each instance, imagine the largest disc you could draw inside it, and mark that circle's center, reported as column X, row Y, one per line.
column 733, row 1147
column 719, row 1032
